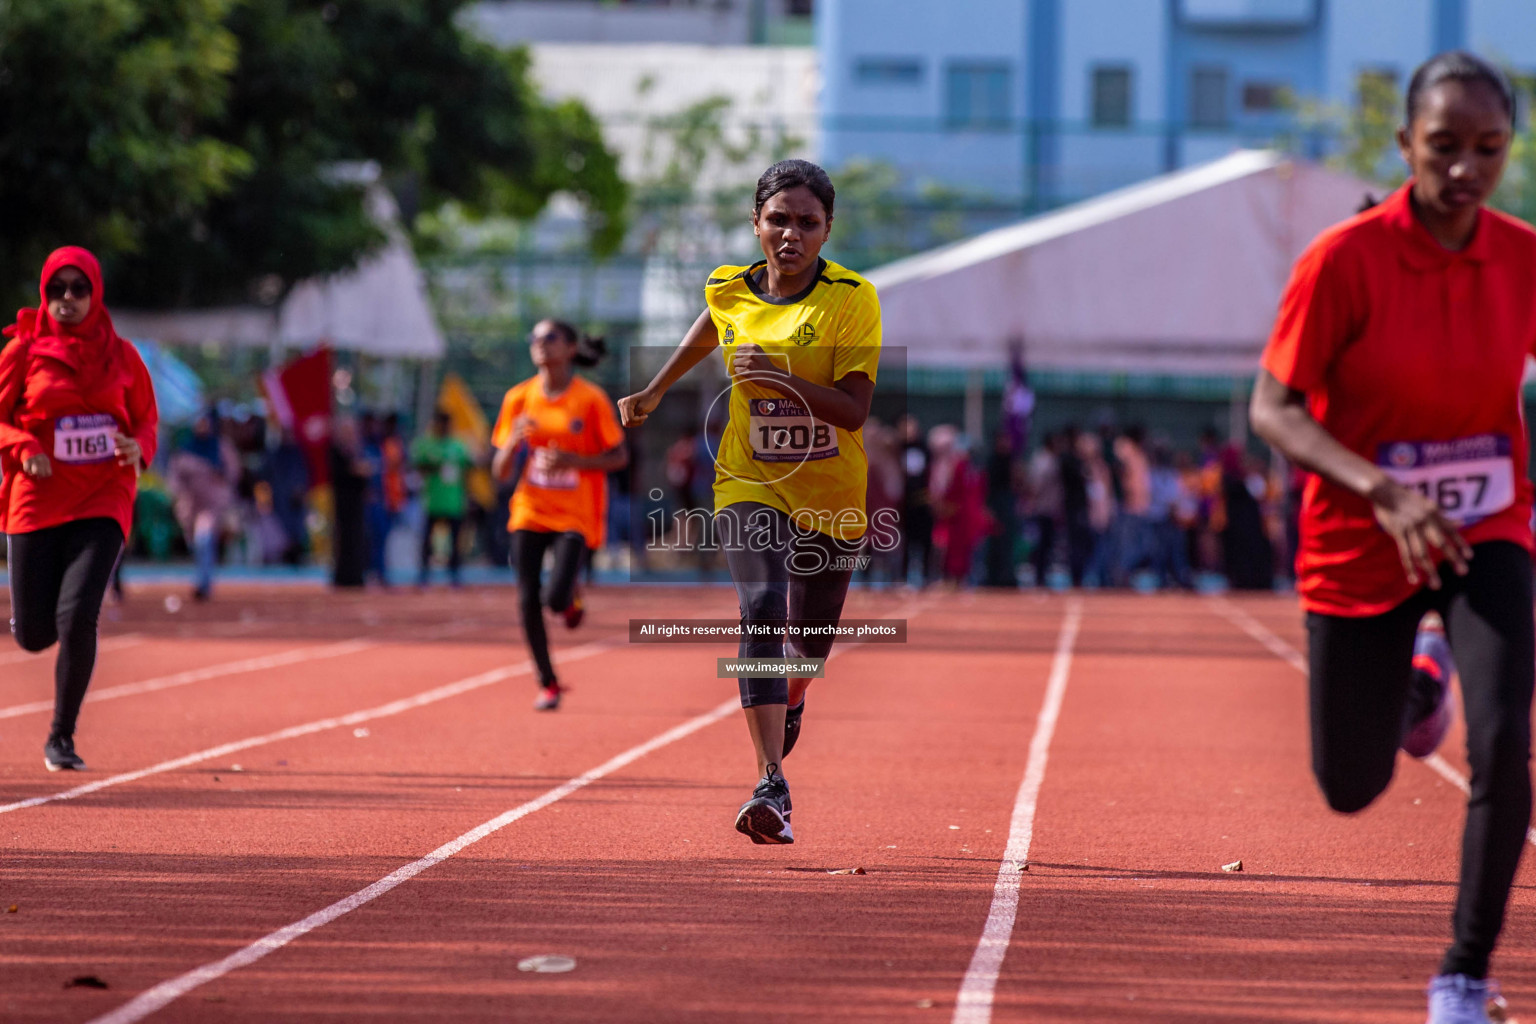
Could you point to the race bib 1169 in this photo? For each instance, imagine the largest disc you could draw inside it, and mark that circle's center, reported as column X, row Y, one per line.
column 83, row 439
column 783, row 430
column 1470, row 478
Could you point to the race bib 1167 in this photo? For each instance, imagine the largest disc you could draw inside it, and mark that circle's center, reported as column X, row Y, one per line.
column 1470, row 478
column 83, row 439
column 783, row 430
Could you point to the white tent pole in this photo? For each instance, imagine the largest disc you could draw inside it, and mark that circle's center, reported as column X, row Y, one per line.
column 975, row 399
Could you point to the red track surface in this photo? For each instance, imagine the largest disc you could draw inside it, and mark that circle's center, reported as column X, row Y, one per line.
column 1181, row 746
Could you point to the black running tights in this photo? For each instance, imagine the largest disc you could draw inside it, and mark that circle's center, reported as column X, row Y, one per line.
column 781, row 577
column 528, row 548
column 59, row 576
column 1362, row 680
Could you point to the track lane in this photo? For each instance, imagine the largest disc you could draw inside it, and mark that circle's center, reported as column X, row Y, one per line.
column 648, row 860
column 616, row 706
column 1167, row 768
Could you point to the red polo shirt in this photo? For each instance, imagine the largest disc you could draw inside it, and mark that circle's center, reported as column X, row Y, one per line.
column 1411, row 356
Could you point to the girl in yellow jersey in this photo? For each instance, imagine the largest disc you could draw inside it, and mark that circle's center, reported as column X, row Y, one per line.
column 565, row 429
column 802, row 345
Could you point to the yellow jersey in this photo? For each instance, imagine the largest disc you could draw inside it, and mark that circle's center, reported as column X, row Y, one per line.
column 773, row 450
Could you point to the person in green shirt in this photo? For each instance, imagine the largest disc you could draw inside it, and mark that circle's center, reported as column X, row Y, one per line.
column 443, row 461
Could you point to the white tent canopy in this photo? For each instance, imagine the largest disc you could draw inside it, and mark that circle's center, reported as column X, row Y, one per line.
column 381, row 308
column 1178, row 275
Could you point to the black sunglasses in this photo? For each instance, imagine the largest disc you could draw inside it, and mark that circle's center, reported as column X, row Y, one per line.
column 79, row 288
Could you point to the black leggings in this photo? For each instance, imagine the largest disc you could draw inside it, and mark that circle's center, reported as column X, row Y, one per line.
column 59, row 576
column 1361, row 690
column 455, row 524
column 528, row 547
column 781, row 576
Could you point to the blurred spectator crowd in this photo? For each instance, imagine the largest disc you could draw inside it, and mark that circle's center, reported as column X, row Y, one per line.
column 1107, row 507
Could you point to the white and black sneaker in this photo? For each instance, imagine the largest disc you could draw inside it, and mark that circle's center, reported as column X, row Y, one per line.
column 765, row 818
column 59, row 755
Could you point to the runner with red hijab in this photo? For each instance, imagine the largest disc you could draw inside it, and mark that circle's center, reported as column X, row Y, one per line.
column 77, row 423
column 1394, row 374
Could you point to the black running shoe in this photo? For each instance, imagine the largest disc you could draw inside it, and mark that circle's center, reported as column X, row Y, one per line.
column 792, row 726
column 765, row 818
column 59, row 755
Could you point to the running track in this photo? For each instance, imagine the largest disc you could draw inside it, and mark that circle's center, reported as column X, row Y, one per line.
column 1134, row 744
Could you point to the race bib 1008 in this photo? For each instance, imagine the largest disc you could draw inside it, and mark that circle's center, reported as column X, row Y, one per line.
column 783, row 430
column 1470, row 478
column 83, row 439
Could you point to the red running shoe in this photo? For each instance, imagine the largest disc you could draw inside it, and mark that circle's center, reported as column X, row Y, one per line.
column 575, row 612
column 549, row 698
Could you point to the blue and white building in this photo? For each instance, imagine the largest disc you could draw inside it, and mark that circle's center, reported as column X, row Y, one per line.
column 1039, row 102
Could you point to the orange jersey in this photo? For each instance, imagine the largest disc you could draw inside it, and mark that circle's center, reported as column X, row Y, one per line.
column 579, row 420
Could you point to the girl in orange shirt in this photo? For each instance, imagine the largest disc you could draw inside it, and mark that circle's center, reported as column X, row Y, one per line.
column 564, row 430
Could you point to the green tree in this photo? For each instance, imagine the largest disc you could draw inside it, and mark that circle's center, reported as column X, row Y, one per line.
column 106, row 117
column 305, row 88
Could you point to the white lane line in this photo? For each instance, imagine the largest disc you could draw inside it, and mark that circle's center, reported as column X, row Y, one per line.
column 1291, row 656
column 394, row 707
column 167, row 992
column 111, row 643
column 974, row 1005
column 198, row 675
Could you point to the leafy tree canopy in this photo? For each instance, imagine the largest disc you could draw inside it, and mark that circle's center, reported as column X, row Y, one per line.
column 199, row 145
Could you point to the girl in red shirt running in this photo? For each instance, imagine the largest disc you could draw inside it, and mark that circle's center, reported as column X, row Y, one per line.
column 1394, row 374
column 77, row 423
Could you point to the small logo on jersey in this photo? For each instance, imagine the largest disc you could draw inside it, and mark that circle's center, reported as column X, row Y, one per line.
column 765, row 407
column 805, row 334
column 730, row 335
column 576, row 426
column 1403, row 454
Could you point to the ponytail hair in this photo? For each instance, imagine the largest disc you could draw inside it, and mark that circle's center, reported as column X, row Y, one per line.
column 590, row 350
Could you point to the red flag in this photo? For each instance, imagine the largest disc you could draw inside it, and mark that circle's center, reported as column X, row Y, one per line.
column 299, row 395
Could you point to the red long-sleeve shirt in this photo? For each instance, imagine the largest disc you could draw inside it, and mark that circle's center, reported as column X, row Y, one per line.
column 37, row 389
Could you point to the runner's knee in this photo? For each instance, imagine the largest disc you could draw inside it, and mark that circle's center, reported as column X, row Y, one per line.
column 1352, row 790
column 34, row 637
column 764, row 604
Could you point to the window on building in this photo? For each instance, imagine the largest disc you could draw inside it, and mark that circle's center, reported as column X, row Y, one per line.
column 888, row 71
column 1208, row 98
column 978, row 95
column 1263, row 97
column 1112, row 97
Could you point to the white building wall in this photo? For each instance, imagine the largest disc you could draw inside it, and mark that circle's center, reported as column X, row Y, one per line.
column 1359, row 38
column 771, row 89
column 1099, row 32
column 1504, row 31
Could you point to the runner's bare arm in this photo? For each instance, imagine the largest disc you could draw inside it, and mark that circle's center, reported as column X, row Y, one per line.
column 1279, row 415
column 845, row 404
column 702, row 339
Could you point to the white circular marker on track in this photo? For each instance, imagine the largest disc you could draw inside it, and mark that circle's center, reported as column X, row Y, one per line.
column 547, row 964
